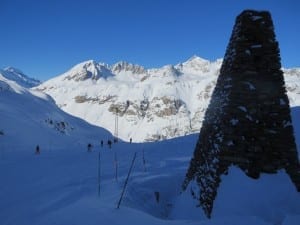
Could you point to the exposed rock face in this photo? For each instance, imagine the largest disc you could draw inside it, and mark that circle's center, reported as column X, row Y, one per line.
column 247, row 123
column 125, row 66
column 88, row 70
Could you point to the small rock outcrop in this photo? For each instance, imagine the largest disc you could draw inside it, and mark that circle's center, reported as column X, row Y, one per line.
column 247, row 123
column 125, row 66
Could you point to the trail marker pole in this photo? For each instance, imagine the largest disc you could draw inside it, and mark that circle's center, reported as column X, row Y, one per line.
column 144, row 161
column 99, row 173
column 116, row 167
column 116, row 126
column 126, row 181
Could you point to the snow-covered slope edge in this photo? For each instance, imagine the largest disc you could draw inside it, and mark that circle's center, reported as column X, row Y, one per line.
column 152, row 104
column 19, row 77
column 30, row 118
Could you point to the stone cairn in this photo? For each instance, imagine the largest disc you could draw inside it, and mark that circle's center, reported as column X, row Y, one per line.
column 247, row 123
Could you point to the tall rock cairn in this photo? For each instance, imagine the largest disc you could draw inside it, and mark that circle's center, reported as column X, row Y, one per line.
column 247, row 123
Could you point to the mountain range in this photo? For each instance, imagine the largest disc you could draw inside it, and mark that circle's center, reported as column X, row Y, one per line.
column 134, row 102
column 144, row 104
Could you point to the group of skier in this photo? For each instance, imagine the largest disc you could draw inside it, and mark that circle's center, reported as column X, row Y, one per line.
column 89, row 146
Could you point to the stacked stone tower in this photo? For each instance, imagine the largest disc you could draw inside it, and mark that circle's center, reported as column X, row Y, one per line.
column 247, row 123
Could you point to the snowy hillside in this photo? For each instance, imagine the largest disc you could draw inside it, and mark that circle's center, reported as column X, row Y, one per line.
column 61, row 187
column 152, row 104
column 19, row 77
column 30, row 118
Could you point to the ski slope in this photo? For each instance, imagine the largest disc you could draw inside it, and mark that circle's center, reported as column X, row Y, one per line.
column 60, row 186
column 30, row 118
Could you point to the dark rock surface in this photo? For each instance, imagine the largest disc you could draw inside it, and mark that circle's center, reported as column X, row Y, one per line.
column 248, row 122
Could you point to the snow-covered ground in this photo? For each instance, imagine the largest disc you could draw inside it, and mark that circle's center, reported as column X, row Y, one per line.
column 60, row 186
column 30, row 118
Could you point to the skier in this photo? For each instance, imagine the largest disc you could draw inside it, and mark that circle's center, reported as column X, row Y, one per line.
column 109, row 143
column 37, row 150
column 89, row 147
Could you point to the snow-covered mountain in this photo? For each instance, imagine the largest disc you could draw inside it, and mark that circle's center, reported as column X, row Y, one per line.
column 30, row 118
column 150, row 104
column 19, row 77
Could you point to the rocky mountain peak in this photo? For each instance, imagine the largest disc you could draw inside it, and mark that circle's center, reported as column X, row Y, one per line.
column 123, row 66
column 88, row 70
column 195, row 65
column 13, row 70
column 169, row 70
column 197, row 60
column 292, row 72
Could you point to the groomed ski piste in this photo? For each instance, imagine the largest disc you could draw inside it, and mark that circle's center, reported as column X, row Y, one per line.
column 68, row 185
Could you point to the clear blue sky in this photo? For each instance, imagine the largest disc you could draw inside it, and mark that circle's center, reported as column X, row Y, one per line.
column 44, row 38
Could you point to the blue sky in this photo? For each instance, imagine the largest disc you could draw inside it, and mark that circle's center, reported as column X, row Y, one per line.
column 44, row 38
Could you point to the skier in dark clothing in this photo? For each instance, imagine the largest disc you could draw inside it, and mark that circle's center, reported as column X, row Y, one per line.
column 89, row 147
column 109, row 143
column 37, row 150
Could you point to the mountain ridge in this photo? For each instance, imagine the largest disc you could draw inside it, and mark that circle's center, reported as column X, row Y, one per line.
column 152, row 104
column 19, row 77
column 115, row 86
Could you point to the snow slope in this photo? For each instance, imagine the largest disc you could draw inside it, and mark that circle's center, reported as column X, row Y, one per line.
column 152, row 104
column 60, row 186
column 29, row 118
column 19, row 77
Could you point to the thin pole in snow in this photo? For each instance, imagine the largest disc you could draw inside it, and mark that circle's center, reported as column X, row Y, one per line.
column 116, row 167
column 99, row 173
column 126, row 181
column 144, row 161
